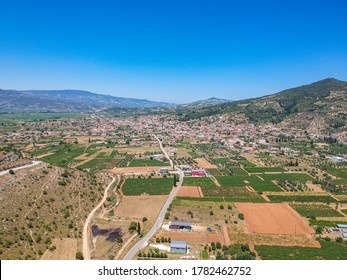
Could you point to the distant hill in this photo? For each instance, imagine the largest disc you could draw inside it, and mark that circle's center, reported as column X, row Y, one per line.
column 13, row 101
column 210, row 101
column 320, row 106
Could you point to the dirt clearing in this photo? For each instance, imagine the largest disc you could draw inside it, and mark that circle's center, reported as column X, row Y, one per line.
column 137, row 207
column 203, row 163
column 274, row 218
column 190, row 192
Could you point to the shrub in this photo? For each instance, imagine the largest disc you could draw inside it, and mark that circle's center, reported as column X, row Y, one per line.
column 338, row 239
column 79, row 256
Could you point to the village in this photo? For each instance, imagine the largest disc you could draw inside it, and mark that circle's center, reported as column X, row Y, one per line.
column 205, row 178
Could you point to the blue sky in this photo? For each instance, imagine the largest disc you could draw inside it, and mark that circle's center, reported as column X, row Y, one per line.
column 176, row 51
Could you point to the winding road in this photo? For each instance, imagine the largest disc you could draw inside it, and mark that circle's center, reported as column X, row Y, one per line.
column 20, row 167
column 157, row 225
column 86, row 249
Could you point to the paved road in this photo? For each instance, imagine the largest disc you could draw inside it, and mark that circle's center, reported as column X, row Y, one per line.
column 86, row 250
column 21, row 167
column 157, row 225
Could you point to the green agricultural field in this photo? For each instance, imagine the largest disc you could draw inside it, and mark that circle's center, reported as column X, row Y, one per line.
column 64, row 155
column 234, row 180
column 194, row 154
column 234, row 192
column 324, row 223
column 147, row 162
column 238, row 171
column 341, row 174
column 300, row 198
column 223, row 199
column 312, row 210
column 152, row 186
column 330, row 250
column 48, row 149
column 254, row 181
column 287, row 176
column 220, row 160
column 344, row 211
column 100, row 164
column 203, row 147
column 246, row 163
column 264, row 169
column 267, row 187
column 214, row 172
column 198, row 181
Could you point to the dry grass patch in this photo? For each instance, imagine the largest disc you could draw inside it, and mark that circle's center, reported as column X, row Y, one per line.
column 203, row 163
column 66, row 249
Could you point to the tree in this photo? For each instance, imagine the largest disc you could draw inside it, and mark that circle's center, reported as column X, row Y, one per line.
column 175, row 180
column 338, row 239
column 79, row 256
column 138, row 228
column 319, row 230
column 11, row 172
column 144, row 219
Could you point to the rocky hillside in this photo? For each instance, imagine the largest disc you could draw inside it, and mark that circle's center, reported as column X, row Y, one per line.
column 317, row 107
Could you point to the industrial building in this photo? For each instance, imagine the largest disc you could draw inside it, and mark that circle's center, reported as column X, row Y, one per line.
column 199, row 172
column 163, row 170
column 178, row 247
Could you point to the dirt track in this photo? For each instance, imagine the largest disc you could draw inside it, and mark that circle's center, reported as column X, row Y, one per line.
column 86, row 250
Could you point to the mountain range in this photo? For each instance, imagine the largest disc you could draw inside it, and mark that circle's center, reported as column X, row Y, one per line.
column 318, row 106
column 12, row 101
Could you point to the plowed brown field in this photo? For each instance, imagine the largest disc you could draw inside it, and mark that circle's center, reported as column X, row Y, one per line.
column 272, row 218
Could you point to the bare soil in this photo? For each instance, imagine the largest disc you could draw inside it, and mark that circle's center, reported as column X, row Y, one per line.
column 189, row 191
column 274, row 218
column 203, row 163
